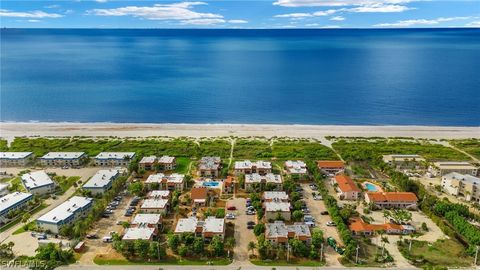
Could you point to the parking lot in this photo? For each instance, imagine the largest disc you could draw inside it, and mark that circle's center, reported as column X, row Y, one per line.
column 103, row 228
column 316, row 208
column 242, row 235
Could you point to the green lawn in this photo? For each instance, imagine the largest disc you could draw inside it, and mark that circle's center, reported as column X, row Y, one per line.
column 471, row 146
column 252, row 149
column 214, row 147
column 302, row 149
column 182, row 165
column 442, row 253
column 294, row 262
column 222, row 261
column 367, row 150
column 65, row 182
column 16, row 184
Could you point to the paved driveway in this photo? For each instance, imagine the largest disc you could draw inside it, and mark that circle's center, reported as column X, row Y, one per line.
column 242, row 235
column 316, row 207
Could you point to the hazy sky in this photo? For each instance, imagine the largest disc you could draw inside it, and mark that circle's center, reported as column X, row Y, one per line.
column 240, row 14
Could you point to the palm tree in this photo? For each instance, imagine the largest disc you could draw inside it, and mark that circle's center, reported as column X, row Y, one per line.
column 229, row 244
column 411, row 240
column 384, row 241
column 251, row 247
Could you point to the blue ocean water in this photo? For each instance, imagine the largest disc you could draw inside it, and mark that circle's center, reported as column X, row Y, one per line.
column 341, row 76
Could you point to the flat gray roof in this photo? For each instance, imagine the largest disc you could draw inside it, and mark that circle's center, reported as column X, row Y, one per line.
column 12, row 199
column 36, row 179
column 14, row 155
column 63, row 155
column 101, row 179
column 115, row 155
column 65, row 210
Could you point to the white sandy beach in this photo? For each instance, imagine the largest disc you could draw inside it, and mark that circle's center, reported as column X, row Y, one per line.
column 9, row 130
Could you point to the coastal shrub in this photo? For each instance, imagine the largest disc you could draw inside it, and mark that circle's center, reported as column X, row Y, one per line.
column 471, row 146
column 301, row 149
column 252, row 149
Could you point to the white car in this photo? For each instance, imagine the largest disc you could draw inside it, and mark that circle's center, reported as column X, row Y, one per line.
column 230, row 216
column 107, row 239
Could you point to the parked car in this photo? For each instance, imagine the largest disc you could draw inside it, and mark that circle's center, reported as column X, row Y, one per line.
column 308, row 218
column 250, row 227
column 313, row 187
column 230, row 216
column 41, row 236
column 324, row 213
column 331, row 224
column 92, row 236
column 317, row 198
column 107, row 239
column 250, row 212
column 251, row 223
column 231, row 208
column 310, row 224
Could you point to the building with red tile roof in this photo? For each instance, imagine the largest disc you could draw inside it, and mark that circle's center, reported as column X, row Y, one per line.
column 346, row 188
column 392, row 199
column 331, row 166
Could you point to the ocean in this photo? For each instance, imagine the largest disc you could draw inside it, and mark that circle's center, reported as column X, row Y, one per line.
column 334, row 76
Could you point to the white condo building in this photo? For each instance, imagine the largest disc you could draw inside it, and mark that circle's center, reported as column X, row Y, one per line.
column 101, row 181
column 63, row 159
column 65, row 214
column 13, row 159
column 465, row 185
column 38, row 183
column 112, row 159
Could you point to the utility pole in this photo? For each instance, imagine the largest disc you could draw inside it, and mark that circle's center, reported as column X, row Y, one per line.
column 288, row 251
column 356, row 256
column 476, row 256
column 321, row 252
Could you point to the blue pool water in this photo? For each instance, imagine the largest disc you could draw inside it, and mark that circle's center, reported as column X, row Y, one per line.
column 371, row 187
column 337, row 76
column 210, row 184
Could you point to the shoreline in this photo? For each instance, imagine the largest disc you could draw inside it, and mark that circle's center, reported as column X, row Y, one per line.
column 9, row 130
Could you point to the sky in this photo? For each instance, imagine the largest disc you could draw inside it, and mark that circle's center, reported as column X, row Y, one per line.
column 240, row 14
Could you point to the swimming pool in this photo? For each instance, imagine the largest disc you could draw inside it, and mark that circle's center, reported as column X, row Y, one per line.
column 371, row 187
column 210, row 184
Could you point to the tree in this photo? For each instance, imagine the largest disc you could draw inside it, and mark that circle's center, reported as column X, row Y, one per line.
column 384, row 240
column 136, row 188
column 317, row 237
column 299, row 248
column 297, row 215
column 173, row 242
column 229, row 244
column 141, row 248
column 6, row 250
column 183, row 251
column 259, row 229
column 25, row 217
column 198, row 246
column 217, row 246
column 251, row 247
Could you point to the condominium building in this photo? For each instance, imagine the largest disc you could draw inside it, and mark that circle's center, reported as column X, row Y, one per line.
column 209, row 167
column 38, row 183
column 147, row 220
column 155, row 205
column 64, row 214
column 248, row 167
column 147, row 163
column 392, row 199
column 462, row 185
column 297, row 167
column 275, row 196
column 139, row 233
column 170, row 182
column 279, row 233
column 331, row 167
column 167, row 163
column 12, row 202
column 164, row 163
column 199, row 196
column 112, row 159
column 208, row 228
column 101, row 181
column 276, row 208
column 346, row 188
column 274, row 181
column 159, row 194
column 16, row 159
column 401, row 162
column 442, row 168
column 74, row 159
column 359, row 227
